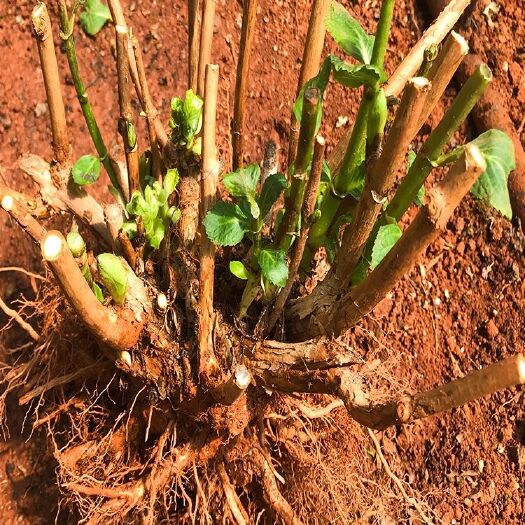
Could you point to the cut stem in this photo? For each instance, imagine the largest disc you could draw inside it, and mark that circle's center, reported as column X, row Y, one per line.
column 208, row 365
column 194, row 31
column 432, row 218
column 313, row 50
column 241, row 86
column 294, row 201
column 478, row 384
column 152, row 116
column 308, row 209
column 66, row 33
column 48, row 61
column 408, row 67
column 126, row 124
column 206, row 40
column 432, row 149
column 380, row 176
column 120, row 332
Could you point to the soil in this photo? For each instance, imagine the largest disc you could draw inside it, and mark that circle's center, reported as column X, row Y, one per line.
column 462, row 308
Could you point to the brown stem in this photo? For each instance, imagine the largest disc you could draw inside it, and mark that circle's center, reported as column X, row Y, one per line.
column 480, row 383
column 298, row 249
column 433, row 35
column 114, row 219
column 241, row 85
column 127, row 250
column 313, row 50
column 432, row 218
column 209, row 181
column 149, row 109
column 408, row 67
column 126, row 124
column 208, row 20
column 442, row 70
column 18, row 206
column 229, row 391
column 48, row 61
column 71, row 198
column 120, row 331
column 194, row 31
column 380, row 177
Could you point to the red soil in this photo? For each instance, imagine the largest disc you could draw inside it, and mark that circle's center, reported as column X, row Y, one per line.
column 461, row 309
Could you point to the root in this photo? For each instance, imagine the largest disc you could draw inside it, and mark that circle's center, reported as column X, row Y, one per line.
column 411, row 501
column 234, row 503
column 18, row 318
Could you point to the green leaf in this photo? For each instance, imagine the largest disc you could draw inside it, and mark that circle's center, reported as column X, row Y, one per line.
column 272, row 188
column 226, row 224
column 130, row 229
column 94, row 16
column 97, row 291
column 76, row 244
column 491, row 187
column 353, row 76
column 156, row 232
column 86, row 170
column 174, row 214
column 387, row 236
column 186, row 118
column 273, row 266
column 114, row 276
column 243, row 182
column 349, row 34
column 418, row 201
column 239, row 270
column 171, row 179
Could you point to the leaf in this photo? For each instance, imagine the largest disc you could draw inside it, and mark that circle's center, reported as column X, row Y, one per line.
column 114, row 276
column 86, row 170
column 97, row 291
column 156, row 232
column 387, row 236
column 171, row 179
column 94, row 16
column 272, row 188
column 193, row 114
column 353, row 76
column 273, row 266
column 491, row 187
column 239, row 270
column 226, row 224
column 130, row 229
column 349, row 34
column 243, row 182
column 418, row 200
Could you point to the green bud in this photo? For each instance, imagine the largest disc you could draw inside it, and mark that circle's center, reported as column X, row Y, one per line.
column 131, row 134
column 76, row 244
column 377, row 117
column 114, row 276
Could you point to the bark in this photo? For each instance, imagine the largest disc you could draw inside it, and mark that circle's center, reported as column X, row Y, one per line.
column 241, row 86
column 208, row 365
column 206, row 41
column 306, row 218
column 480, row 383
column 48, row 61
column 194, row 32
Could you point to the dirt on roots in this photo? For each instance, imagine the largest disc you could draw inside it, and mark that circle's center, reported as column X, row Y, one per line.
column 460, row 309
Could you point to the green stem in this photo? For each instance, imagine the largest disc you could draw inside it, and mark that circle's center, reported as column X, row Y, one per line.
column 294, row 202
column 66, row 33
column 355, row 151
column 382, row 32
column 430, row 152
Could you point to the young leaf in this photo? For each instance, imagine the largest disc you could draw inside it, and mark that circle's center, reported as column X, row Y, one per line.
column 491, row 187
column 94, row 16
column 97, row 291
column 193, row 114
column 387, row 236
column 243, row 182
column 239, row 270
column 114, row 276
column 171, row 179
column 349, row 34
column 273, row 266
column 272, row 188
column 226, row 224
column 86, row 170
column 353, row 76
